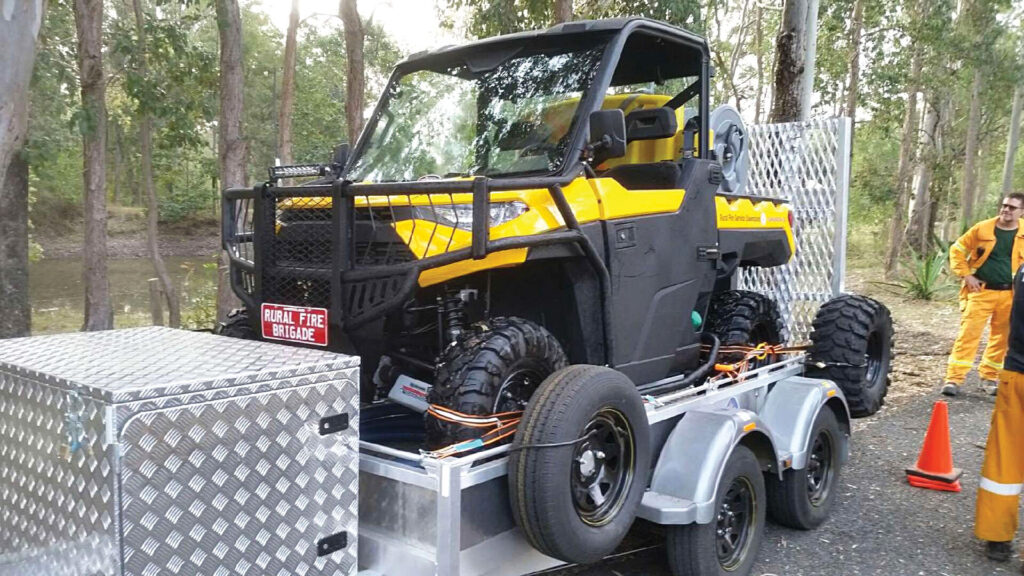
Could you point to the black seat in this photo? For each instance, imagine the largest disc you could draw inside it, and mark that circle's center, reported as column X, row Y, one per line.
column 649, row 176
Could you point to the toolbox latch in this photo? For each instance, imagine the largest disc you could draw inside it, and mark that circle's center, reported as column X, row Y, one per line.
column 331, row 544
column 333, row 424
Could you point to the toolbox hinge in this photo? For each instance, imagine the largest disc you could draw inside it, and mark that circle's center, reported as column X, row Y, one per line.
column 333, row 424
column 331, row 544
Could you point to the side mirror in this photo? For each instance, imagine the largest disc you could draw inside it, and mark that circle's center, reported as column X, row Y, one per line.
column 340, row 158
column 607, row 134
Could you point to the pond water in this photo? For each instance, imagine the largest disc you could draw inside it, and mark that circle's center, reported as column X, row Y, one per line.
column 57, row 295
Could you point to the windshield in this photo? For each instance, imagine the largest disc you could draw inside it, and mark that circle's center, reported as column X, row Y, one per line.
column 513, row 117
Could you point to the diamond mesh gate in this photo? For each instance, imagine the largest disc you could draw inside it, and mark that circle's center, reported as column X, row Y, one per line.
column 807, row 163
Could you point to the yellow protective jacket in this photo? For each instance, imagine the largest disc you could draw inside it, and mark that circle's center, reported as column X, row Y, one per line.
column 971, row 250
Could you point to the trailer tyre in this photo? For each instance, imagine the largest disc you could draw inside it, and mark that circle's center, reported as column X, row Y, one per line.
column 851, row 345
column 495, row 369
column 579, row 463
column 237, row 325
column 803, row 498
column 729, row 543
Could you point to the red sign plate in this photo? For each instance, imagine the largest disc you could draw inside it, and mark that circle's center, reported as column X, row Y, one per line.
column 294, row 324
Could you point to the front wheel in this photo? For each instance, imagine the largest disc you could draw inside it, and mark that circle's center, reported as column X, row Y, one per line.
column 728, row 544
column 237, row 325
column 803, row 498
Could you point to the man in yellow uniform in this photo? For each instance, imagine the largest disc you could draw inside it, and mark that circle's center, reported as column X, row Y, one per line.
column 1002, row 474
column 985, row 257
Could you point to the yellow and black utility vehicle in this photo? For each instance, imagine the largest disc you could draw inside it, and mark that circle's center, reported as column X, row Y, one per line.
column 548, row 221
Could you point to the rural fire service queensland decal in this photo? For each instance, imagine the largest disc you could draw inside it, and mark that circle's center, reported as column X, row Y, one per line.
column 294, row 324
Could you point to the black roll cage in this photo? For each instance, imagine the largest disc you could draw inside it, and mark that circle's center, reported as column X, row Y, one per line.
column 343, row 193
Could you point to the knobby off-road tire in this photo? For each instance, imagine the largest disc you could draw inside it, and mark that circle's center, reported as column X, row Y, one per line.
column 803, row 498
column 852, row 341
column 576, row 501
column 237, row 325
column 495, row 369
column 728, row 544
column 744, row 318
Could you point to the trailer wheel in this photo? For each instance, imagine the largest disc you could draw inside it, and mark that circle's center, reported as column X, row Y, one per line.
column 579, row 463
column 728, row 544
column 851, row 345
column 237, row 325
column 803, row 498
column 496, row 369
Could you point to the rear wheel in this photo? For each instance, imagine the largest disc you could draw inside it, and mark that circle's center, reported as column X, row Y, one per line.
column 744, row 318
column 851, row 345
column 579, row 463
column 728, row 544
column 496, row 369
column 803, row 498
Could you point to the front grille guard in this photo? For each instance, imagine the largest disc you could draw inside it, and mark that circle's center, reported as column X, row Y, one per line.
column 365, row 279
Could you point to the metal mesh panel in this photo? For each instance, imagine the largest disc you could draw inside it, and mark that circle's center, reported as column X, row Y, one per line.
column 808, row 164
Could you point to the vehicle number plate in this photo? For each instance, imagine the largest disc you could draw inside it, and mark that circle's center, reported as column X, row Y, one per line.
column 294, row 324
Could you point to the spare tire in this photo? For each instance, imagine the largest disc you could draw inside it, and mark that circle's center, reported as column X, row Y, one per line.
column 579, row 464
column 851, row 345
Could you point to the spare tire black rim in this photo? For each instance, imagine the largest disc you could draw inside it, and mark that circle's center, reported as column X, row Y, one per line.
column 734, row 523
column 873, row 357
column 602, row 467
column 820, row 469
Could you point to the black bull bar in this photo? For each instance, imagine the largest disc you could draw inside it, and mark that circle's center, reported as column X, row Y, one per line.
column 357, row 289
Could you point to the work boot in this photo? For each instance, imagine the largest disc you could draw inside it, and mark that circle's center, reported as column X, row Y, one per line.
column 950, row 389
column 998, row 551
column 990, row 387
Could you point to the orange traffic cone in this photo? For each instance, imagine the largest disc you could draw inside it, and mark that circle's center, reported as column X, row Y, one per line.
column 934, row 468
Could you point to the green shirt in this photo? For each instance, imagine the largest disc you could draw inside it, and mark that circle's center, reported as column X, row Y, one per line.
column 996, row 269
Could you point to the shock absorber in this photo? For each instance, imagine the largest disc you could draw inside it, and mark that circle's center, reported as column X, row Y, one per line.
column 452, row 310
column 454, row 313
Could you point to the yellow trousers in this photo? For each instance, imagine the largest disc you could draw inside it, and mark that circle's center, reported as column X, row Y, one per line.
column 981, row 307
column 1002, row 474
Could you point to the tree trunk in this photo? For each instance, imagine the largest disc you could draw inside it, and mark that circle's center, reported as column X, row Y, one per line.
column 99, row 314
column 563, row 11
column 856, row 25
column 152, row 206
column 15, row 310
column 810, row 51
column 1011, row 140
column 919, row 230
column 19, row 29
column 907, row 141
column 284, row 119
column 968, row 193
column 758, row 41
column 790, row 52
column 354, row 38
column 232, row 145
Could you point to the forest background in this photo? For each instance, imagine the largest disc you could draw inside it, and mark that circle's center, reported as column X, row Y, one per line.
column 136, row 113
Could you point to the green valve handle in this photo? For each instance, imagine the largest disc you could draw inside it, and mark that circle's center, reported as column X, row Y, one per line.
column 696, row 319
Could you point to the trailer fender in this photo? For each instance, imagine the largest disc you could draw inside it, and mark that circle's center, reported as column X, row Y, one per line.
column 683, row 487
column 790, row 410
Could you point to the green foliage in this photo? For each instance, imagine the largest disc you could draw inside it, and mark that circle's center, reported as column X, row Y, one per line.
column 926, row 277
column 495, row 17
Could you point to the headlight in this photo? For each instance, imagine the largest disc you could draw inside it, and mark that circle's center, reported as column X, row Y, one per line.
column 461, row 215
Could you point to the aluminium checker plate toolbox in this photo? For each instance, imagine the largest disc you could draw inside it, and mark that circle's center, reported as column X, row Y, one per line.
column 157, row 451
